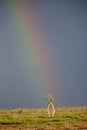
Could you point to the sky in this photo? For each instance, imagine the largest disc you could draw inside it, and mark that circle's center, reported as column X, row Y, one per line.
column 62, row 26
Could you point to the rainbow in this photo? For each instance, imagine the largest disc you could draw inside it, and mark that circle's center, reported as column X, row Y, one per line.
column 30, row 37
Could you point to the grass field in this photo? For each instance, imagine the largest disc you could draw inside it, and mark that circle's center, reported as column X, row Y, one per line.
column 66, row 118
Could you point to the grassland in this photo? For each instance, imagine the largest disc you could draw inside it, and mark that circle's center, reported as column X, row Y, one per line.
column 66, row 118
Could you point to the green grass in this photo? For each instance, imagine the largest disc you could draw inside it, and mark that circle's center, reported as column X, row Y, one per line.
column 65, row 118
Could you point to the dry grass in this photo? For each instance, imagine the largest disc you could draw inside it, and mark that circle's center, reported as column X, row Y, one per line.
column 66, row 118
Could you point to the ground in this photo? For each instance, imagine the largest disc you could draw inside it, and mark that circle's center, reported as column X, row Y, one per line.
column 66, row 118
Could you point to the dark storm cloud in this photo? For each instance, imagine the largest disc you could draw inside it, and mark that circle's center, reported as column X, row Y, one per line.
column 64, row 24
